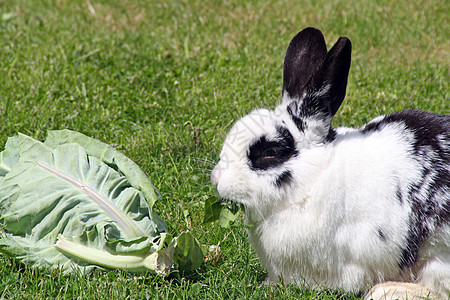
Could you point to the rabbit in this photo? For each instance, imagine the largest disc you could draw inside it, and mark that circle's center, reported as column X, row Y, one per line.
column 341, row 208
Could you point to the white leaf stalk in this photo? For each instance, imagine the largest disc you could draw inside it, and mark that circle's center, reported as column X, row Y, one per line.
column 106, row 259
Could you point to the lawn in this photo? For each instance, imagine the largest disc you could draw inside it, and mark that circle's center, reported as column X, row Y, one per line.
column 163, row 81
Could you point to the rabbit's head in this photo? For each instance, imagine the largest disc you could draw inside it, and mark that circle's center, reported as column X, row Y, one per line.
column 267, row 156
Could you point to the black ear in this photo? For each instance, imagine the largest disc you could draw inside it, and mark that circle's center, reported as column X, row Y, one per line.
column 305, row 54
column 329, row 84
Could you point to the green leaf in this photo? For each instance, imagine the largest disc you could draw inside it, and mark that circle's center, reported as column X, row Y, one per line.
column 224, row 212
column 212, row 210
column 75, row 203
column 228, row 216
column 188, row 253
column 109, row 156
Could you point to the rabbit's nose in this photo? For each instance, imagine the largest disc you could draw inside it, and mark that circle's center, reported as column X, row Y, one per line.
column 215, row 175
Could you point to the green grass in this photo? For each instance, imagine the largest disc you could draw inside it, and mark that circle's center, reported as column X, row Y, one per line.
column 163, row 81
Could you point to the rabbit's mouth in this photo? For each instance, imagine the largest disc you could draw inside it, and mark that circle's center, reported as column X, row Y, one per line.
column 232, row 206
column 233, row 202
column 225, row 211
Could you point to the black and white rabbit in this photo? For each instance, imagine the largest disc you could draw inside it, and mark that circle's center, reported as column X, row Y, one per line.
column 341, row 208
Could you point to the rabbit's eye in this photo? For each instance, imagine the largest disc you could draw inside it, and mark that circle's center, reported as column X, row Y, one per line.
column 270, row 153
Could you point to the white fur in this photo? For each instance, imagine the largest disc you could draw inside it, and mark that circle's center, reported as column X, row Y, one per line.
column 322, row 229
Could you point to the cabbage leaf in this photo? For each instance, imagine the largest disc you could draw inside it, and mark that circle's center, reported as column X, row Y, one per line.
column 226, row 212
column 76, row 203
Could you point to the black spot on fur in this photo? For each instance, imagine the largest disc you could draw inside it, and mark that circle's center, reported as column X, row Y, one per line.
column 265, row 154
column 295, row 110
column 398, row 193
column 331, row 136
column 381, row 235
column 284, row 178
column 292, row 110
column 309, row 106
column 429, row 196
column 425, row 126
column 430, row 209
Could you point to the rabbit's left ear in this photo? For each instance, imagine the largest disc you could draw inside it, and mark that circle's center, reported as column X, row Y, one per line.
column 305, row 54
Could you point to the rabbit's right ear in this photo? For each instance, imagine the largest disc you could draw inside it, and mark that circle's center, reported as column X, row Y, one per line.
column 305, row 54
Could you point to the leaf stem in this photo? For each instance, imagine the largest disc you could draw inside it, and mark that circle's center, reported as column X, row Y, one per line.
column 106, row 259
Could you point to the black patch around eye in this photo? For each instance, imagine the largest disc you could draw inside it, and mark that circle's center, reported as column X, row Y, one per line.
column 264, row 154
